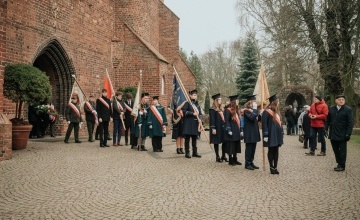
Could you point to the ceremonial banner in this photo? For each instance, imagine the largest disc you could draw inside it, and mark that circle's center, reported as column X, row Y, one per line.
column 178, row 97
column 76, row 89
column 261, row 87
column 108, row 86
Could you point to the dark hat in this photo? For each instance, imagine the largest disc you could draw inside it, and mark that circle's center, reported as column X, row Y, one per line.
column 216, row 96
column 318, row 97
column 156, row 97
column 233, row 97
column 273, row 98
column 144, row 94
column 193, row 92
column 340, row 96
column 250, row 97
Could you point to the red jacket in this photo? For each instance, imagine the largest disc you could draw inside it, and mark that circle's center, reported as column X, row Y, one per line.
column 321, row 110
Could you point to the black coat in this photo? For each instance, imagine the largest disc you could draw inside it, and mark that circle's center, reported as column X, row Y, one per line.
column 340, row 122
column 251, row 127
column 89, row 116
column 103, row 112
column 217, row 123
column 71, row 115
column 190, row 122
column 128, row 118
column 32, row 115
column 116, row 110
column 231, row 125
column 272, row 129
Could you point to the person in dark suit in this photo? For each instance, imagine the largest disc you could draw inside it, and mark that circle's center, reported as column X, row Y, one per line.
column 90, row 116
column 273, row 133
column 128, row 118
column 118, row 108
column 141, row 121
column 304, row 124
column 34, row 120
column 73, row 118
column 232, row 130
column 251, row 131
column 191, row 111
column 103, row 108
column 217, row 126
column 340, row 124
column 157, row 122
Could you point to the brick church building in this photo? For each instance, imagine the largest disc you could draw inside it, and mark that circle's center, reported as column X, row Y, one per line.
column 85, row 38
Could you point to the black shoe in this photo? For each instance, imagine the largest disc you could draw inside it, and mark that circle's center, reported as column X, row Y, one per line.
column 338, row 166
column 78, row 142
column 52, row 135
column 187, row 156
column 109, row 138
column 160, row 150
column 143, row 148
column 178, row 151
column 107, row 145
column 96, row 138
column 91, row 140
column 274, row 171
column 249, row 167
column 182, row 151
column 218, row 160
column 196, row 155
column 305, row 147
column 102, row 145
column 232, row 164
column 66, row 142
column 339, row 169
column 311, row 153
column 255, row 167
column 224, row 159
column 237, row 163
column 126, row 144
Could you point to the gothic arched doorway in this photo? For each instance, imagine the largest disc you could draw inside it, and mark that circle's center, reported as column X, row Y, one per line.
column 54, row 61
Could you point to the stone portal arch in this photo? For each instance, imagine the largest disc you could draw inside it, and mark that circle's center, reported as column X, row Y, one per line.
column 54, row 61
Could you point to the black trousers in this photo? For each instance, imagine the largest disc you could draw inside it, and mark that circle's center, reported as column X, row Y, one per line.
column 193, row 144
column 90, row 127
column 223, row 150
column 273, row 156
column 127, row 131
column 104, row 132
column 72, row 126
column 250, row 149
column 156, row 143
column 340, row 151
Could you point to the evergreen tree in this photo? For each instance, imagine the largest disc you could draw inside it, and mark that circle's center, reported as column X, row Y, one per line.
column 195, row 66
column 207, row 103
column 248, row 70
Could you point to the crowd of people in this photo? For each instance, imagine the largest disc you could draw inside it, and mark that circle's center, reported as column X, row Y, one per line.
column 230, row 125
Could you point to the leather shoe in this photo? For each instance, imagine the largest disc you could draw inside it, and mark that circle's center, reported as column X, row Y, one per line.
column 196, row 155
column 237, row 163
column 255, row 167
column 339, row 169
column 78, row 142
column 249, row 167
column 187, row 156
column 181, row 151
column 102, row 145
column 322, row 154
column 311, row 153
column 107, row 145
column 66, row 142
column 178, row 151
column 224, row 159
column 218, row 160
column 143, row 148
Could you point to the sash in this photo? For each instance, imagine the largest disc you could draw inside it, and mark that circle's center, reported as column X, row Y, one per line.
column 221, row 116
column 104, row 102
column 157, row 114
column 277, row 117
column 91, row 109
column 128, row 107
column 236, row 118
column 75, row 109
column 195, row 108
column 119, row 106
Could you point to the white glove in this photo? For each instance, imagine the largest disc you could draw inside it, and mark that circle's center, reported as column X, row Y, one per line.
column 266, row 139
column 230, row 133
column 94, row 112
column 140, row 125
column 213, row 131
column 241, row 133
column 80, row 124
column 68, row 122
column 141, row 113
column 261, row 111
column 145, row 111
column 254, row 105
column 164, row 129
column 150, row 126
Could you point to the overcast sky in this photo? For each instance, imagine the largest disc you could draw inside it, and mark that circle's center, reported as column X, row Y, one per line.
column 204, row 23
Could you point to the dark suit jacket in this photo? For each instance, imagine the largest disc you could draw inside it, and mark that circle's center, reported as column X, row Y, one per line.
column 340, row 122
column 103, row 112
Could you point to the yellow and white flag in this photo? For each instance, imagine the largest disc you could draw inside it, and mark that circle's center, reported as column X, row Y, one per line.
column 261, row 88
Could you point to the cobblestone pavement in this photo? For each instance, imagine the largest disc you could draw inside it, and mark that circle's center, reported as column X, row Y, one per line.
column 51, row 180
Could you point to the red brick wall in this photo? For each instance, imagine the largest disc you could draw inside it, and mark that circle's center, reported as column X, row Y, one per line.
column 3, row 12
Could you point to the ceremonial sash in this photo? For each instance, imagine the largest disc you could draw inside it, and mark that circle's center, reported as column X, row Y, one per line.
column 128, row 107
column 157, row 114
column 75, row 109
column 236, row 118
column 221, row 116
column 119, row 106
column 195, row 108
column 104, row 102
column 91, row 109
column 277, row 116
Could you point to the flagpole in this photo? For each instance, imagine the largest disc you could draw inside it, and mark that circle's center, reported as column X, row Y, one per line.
column 73, row 76
column 262, row 107
column 113, row 92
column 189, row 100
column 139, row 141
